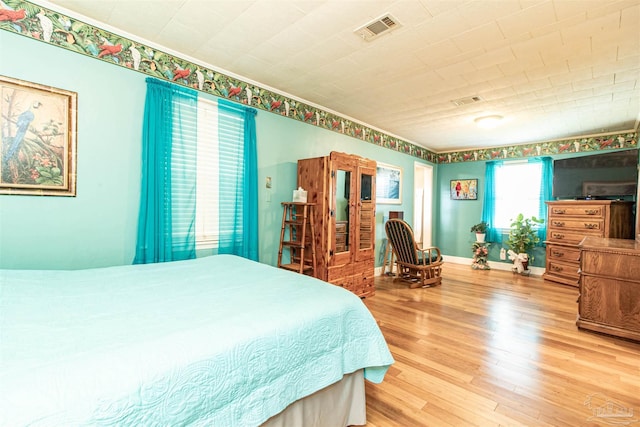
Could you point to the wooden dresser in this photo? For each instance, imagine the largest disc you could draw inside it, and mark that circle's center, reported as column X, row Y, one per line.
column 610, row 287
column 569, row 221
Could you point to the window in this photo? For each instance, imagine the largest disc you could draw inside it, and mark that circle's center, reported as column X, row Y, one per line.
column 207, row 181
column 219, row 158
column 199, row 176
column 517, row 190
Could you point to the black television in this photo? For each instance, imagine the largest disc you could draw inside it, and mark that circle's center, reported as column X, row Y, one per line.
column 612, row 175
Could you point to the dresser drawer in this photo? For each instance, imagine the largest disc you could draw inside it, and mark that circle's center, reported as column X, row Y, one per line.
column 568, row 237
column 581, row 211
column 581, row 225
column 622, row 266
column 563, row 253
column 568, row 270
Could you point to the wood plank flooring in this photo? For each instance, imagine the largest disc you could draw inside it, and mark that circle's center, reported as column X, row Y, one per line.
column 490, row 348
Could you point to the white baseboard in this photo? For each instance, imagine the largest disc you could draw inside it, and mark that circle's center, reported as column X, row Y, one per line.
column 495, row 265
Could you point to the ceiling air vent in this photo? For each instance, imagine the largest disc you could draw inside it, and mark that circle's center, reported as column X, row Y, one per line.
column 378, row 27
column 466, row 101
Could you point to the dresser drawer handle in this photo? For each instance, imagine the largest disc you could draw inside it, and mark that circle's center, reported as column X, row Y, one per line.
column 559, row 211
column 591, row 226
column 592, row 211
column 557, row 254
column 558, row 236
column 558, row 223
column 556, row 268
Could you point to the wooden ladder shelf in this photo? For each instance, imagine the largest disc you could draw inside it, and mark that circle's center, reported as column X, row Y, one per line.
column 297, row 235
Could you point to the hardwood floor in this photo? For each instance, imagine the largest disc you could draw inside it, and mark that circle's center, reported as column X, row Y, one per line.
column 490, row 348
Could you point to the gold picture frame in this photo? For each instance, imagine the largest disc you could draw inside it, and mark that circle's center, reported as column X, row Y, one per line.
column 38, row 126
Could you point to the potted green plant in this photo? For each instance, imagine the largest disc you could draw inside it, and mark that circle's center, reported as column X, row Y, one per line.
column 481, row 230
column 523, row 237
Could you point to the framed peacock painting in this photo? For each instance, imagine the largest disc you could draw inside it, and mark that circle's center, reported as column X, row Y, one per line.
column 38, row 127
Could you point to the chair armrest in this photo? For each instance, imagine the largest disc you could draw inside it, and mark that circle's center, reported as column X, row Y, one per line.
column 432, row 254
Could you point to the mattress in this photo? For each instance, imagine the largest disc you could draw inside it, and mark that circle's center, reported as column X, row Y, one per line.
column 218, row 341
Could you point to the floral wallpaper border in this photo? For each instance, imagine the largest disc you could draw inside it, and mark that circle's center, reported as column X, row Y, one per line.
column 608, row 141
column 39, row 23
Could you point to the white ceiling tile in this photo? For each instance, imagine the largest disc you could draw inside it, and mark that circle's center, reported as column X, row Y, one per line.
column 605, row 80
column 484, row 74
column 441, row 27
column 532, row 86
column 606, row 7
column 181, row 38
column 584, row 73
column 592, row 27
column 555, row 26
column 493, row 57
column 620, row 87
column 527, row 20
column 628, row 47
column 205, row 15
column 519, row 66
column 546, row 65
column 156, row 18
column 596, row 59
column 438, row 7
column 568, row 9
column 563, row 51
column 432, row 54
column 409, row 12
column 549, row 70
column 625, row 76
column 457, row 69
column 482, row 12
column 482, row 37
column 95, row 10
column 530, row 48
column 630, row 17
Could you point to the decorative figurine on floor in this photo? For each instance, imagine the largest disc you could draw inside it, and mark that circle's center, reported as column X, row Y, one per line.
column 520, row 262
column 480, row 254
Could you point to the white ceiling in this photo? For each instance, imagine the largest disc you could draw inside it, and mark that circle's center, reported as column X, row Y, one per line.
column 553, row 68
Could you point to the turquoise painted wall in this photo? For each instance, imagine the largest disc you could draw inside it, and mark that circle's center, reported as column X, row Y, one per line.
column 456, row 217
column 98, row 226
column 282, row 141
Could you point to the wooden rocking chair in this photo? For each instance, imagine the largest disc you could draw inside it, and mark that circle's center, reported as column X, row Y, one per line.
column 419, row 267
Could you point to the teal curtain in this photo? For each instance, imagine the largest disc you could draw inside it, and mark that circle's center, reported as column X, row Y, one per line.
column 489, row 205
column 546, row 191
column 238, row 180
column 166, row 222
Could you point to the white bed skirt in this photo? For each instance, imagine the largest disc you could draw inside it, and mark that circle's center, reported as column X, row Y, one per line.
column 339, row 405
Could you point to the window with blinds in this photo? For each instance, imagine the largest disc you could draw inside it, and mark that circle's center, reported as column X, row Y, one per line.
column 517, row 190
column 220, row 173
column 207, row 181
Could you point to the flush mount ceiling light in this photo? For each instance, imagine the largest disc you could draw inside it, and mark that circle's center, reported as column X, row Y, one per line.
column 489, row 122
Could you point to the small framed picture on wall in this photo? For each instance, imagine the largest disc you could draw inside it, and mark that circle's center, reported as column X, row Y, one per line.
column 464, row 189
column 388, row 184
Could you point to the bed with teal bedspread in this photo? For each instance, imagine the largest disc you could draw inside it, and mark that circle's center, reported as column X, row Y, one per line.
column 218, row 341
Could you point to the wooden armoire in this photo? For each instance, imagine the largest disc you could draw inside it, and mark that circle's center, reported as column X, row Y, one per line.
column 343, row 189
